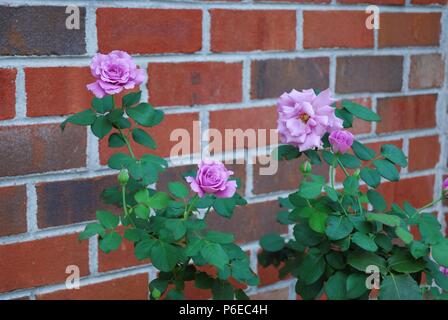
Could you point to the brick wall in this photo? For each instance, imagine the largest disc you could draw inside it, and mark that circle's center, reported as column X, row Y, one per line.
column 221, row 62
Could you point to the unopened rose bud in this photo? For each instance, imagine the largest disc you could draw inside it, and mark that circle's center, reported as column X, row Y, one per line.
column 305, row 167
column 356, row 173
column 123, row 177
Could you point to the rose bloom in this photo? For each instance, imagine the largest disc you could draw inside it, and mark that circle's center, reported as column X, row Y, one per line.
column 444, row 270
column 114, row 72
column 304, row 118
column 445, row 185
column 213, row 178
column 341, row 140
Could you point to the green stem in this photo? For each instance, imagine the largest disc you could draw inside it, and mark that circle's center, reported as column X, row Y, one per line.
column 190, row 207
column 430, row 204
column 128, row 144
column 343, row 168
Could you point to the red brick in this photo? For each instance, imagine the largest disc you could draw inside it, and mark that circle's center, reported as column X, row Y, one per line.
column 276, row 294
column 319, row 29
column 249, row 222
column 423, row 153
column 378, row 2
column 128, row 288
column 423, row 2
column 57, row 91
column 256, row 30
column 193, row 83
column 8, row 93
column 360, row 126
column 41, row 262
column 148, row 31
column 41, row 148
column 406, row 113
column 123, row 257
column 249, row 120
column 409, row 29
column 426, row 71
column 295, row 1
column 12, row 210
column 77, row 199
column 161, row 135
column 418, row 191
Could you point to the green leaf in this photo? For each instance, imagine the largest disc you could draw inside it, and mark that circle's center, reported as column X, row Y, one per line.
column 83, row 118
column 356, row 285
column 384, row 242
column 103, row 105
column 214, row 254
column 141, row 137
column 145, row 115
column 177, row 228
column 429, row 228
column 349, row 161
column 419, row 249
column 110, row 242
column 116, row 141
column 377, row 200
column 351, row 185
column 313, row 156
column 311, row 268
column 143, row 249
column 394, row 154
column 101, row 127
column 286, row 152
column 310, row 190
column 360, row 260
column 159, row 201
column 132, row 235
column 387, row 219
column 272, row 242
column 119, row 161
column 403, row 262
column 439, row 252
column 338, row 227
column 131, row 98
column 142, row 211
column 220, row 237
column 404, row 235
column 399, row 287
column 346, row 116
column 335, row 287
column 178, row 189
column 387, row 169
column 164, row 256
column 364, row 241
column 222, row 290
column 224, row 207
column 309, row 292
column 360, row 111
column 107, row 219
column 304, row 235
column 362, row 152
column 142, row 196
column 370, row 176
column 91, row 230
column 336, row 260
column 317, row 221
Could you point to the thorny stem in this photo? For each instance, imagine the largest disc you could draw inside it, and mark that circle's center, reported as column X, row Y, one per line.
column 190, row 207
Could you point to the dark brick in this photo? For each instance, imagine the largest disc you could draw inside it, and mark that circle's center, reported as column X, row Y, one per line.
column 427, row 71
column 8, row 93
column 250, row 222
column 39, row 30
column 270, row 78
column 41, row 148
column 287, row 176
column 12, row 210
column 369, row 74
column 66, row 202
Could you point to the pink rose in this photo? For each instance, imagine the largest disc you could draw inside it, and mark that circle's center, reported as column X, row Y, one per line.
column 114, row 72
column 443, row 269
column 341, row 140
column 213, row 178
column 445, row 185
column 304, row 118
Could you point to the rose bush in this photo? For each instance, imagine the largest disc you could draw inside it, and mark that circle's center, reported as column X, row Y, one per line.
column 342, row 233
column 164, row 226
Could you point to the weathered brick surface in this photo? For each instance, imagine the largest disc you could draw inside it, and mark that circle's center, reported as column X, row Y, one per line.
column 12, row 210
column 128, row 288
column 149, row 30
column 40, row 262
column 257, row 30
column 194, row 83
column 409, row 29
column 40, row 30
column 319, row 29
column 369, row 74
column 377, row 2
column 272, row 77
column 406, row 113
column 276, row 294
column 425, row 2
column 67, row 202
column 427, row 71
column 250, row 222
column 41, row 148
column 8, row 93
column 57, row 91
column 424, row 153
